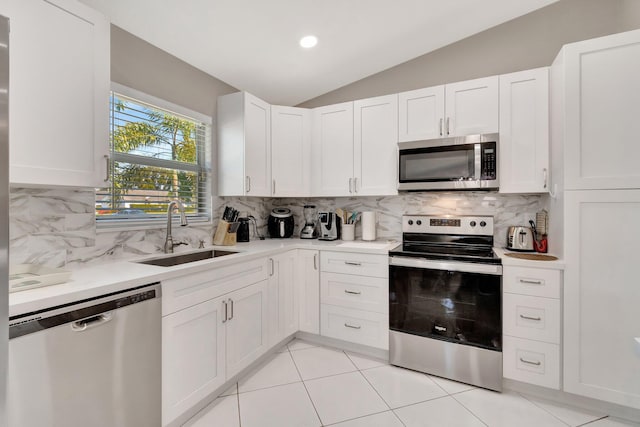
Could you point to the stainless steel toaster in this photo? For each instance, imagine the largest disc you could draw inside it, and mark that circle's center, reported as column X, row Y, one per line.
column 520, row 239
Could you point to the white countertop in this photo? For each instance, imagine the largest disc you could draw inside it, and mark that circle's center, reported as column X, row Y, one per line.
column 100, row 279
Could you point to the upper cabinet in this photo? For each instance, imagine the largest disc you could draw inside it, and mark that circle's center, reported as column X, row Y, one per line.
column 375, row 146
column 332, row 150
column 524, row 131
column 290, row 151
column 354, row 146
column 244, row 145
column 595, row 90
column 59, row 88
column 457, row 109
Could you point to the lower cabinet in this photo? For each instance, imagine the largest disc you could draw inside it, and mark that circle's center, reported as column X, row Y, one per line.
column 531, row 325
column 207, row 343
column 282, row 296
column 193, row 356
column 309, row 290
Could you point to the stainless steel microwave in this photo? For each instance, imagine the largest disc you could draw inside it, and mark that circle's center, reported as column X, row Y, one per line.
column 458, row 163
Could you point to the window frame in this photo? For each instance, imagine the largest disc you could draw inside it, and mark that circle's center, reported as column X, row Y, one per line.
column 105, row 224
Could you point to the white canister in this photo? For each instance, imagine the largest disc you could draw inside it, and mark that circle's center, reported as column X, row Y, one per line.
column 369, row 220
column 348, row 232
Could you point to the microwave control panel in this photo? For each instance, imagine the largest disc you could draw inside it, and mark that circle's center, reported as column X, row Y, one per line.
column 489, row 160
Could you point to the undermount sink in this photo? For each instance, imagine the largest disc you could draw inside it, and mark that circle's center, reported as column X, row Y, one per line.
column 178, row 259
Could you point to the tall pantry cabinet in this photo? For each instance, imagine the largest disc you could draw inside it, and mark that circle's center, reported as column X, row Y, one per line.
column 595, row 212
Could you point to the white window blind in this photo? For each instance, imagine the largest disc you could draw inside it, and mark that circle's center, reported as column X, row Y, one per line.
column 157, row 155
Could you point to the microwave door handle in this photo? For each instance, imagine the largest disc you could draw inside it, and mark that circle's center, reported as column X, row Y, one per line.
column 477, row 151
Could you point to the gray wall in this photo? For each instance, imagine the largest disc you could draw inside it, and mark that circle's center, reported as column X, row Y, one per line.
column 142, row 66
column 531, row 41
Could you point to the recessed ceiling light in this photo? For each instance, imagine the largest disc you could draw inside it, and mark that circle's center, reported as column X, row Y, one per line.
column 308, row 41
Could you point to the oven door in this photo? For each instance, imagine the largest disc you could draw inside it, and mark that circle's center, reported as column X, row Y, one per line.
column 452, row 301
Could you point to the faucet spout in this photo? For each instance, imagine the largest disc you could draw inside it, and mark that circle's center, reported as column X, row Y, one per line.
column 168, row 241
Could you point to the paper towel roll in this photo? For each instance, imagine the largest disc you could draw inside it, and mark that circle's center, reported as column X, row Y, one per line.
column 369, row 225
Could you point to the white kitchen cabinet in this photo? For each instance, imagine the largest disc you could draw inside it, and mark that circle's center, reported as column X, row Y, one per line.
column 596, row 89
column 290, row 151
column 375, row 146
column 471, row 107
column 244, row 146
column 309, row 290
column 421, row 114
column 524, row 131
column 601, row 297
column 193, row 356
column 531, row 325
column 456, row 109
column 283, row 296
column 332, row 150
column 246, row 326
column 60, row 80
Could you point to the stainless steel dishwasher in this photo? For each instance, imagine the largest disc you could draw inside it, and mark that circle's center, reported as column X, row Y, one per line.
column 93, row 363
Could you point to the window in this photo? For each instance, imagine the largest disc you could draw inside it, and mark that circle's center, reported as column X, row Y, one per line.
column 159, row 152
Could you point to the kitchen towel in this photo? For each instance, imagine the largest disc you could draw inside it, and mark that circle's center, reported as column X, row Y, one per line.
column 369, row 225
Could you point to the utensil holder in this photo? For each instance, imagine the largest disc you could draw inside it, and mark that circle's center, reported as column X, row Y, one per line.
column 348, row 231
column 223, row 236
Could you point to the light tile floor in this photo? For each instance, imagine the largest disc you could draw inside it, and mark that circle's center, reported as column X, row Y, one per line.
column 307, row 385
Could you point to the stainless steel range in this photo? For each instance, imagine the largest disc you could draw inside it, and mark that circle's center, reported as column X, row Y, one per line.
column 445, row 299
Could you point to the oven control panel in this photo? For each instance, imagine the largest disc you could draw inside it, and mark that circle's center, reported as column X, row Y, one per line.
column 448, row 224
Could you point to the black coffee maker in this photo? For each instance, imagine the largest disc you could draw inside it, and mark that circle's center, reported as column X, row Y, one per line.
column 242, row 234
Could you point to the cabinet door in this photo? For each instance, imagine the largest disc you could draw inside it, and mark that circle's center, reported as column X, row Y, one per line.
column 332, row 150
column 376, row 146
column 193, row 356
column 472, row 107
column 290, row 151
column 59, row 128
column 257, row 148
column 246, row 326
column 309, row 286
column 524, row 131
column 421, row 114
column 601, row 298
column 601, row 112
column 283, row 296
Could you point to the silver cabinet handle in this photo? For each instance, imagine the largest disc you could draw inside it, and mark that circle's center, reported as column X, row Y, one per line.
column 346, row 291
column 315, row 261
column 248, row 182
column 544, row 171
column 353, row 263
column 231, row 301
column 355, row 185
column 537, row 319
column 352, row 326
column 350, row 185
column 272, row 267
column 441, row 119
column 448, row 122
column 530, row 362
column 108, row 173
column 226, row 314
column 274, row 187
column 531, row 282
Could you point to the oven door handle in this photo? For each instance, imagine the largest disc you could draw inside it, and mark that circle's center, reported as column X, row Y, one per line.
column 465, row 267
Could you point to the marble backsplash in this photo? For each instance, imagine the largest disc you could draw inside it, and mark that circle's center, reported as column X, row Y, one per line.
column 57, row 227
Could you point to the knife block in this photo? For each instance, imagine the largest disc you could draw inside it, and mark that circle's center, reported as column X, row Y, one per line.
column 222, row 236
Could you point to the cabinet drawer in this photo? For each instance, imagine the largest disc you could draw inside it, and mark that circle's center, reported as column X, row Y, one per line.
column 354, row 263
column 182, row 292
column 359, row 292
column 531, row 362
column 532, row 281
column 531, row 317
column 361, row 327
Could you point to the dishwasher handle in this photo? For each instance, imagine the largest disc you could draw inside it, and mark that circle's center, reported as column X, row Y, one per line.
column 92, row 322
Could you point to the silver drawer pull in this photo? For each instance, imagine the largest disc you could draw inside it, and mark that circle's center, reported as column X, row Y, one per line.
column 531, row 282
column 537, row 319
column 351, row 326
column 353, row 263
column 346, row 291
column 529, row 362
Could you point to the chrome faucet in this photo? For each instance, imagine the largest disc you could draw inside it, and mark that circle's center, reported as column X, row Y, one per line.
column 168, row 241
